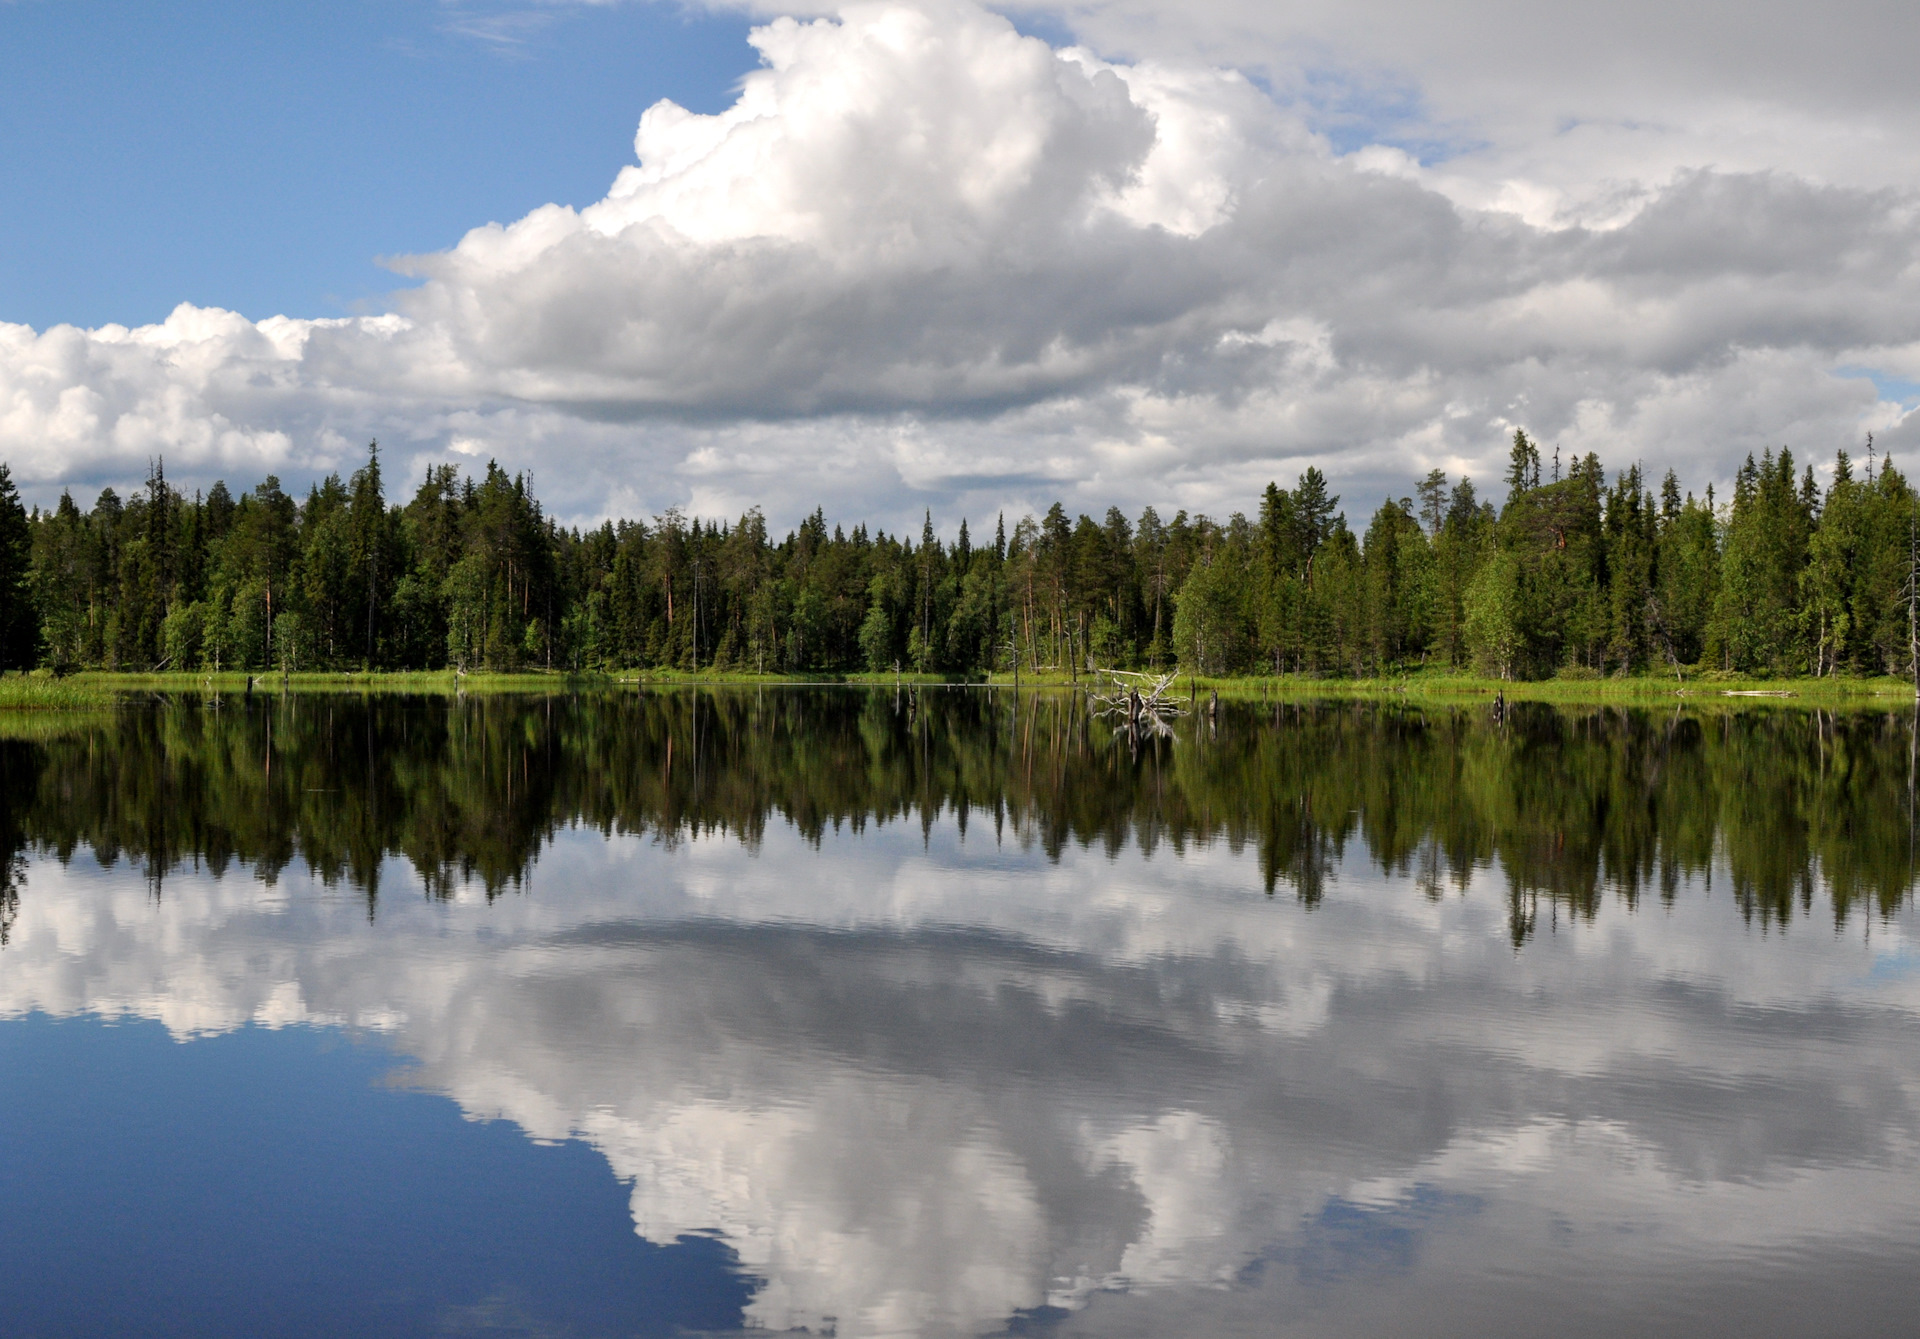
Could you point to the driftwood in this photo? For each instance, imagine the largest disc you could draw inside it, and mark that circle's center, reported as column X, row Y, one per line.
column 1137, row 703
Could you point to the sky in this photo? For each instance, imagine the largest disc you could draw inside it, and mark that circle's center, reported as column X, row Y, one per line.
column 924, row 256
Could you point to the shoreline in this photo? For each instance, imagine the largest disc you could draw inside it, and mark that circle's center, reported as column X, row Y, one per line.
column 99, row 688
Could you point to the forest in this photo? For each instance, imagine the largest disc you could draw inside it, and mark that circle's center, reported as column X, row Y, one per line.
column 1577, row 573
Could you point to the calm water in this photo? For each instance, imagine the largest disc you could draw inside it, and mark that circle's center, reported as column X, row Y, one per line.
column 835, row 1010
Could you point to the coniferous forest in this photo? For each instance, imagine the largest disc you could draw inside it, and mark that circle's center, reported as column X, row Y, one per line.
column 1578, row 573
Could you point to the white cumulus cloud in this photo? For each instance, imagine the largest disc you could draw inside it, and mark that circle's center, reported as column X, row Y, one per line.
column 926, row 260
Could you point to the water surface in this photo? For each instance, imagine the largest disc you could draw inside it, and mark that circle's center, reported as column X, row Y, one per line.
column 956, row 1014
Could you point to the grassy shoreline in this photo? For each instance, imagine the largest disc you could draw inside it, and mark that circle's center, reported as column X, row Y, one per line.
column 95, row 689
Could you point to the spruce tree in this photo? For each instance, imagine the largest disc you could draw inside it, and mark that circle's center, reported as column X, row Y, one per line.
column 19, row 628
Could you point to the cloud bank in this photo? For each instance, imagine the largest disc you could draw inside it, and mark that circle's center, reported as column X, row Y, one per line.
column 925, row 260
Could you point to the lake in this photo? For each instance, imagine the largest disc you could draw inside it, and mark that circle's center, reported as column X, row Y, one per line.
column 957, row 1012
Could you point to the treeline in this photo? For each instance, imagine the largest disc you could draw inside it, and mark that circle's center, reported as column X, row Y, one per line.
column 1575, row 573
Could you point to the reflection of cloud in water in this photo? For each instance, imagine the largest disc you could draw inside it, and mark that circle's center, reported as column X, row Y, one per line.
column 927, row 1088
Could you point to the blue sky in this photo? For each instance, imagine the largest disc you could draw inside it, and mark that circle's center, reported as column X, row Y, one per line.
column 260, row 157
column 926, row 263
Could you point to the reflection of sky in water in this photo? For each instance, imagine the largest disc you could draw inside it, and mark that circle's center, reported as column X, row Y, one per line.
column 926, row 1085
column 272, row 1173
column 1894, row 963
column 1348, row 1238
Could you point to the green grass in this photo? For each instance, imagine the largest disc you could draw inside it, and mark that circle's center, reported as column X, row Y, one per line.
column 381, row 681
column 40, row 691
column 1444, row 685
column 99, row 689
column 1428, row 684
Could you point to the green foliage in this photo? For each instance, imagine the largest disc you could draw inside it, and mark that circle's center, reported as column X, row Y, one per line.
column 40, row 691
column 1757, row 618
column 19, row 628
column 185, row 633
column 1398, row 567
column 1575, row 573
column 1493, row 614
column 1211, row 625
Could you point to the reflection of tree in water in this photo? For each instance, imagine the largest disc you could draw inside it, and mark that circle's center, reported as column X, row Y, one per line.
column 19, row 780
column 1569, row 805
column 13, row 873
